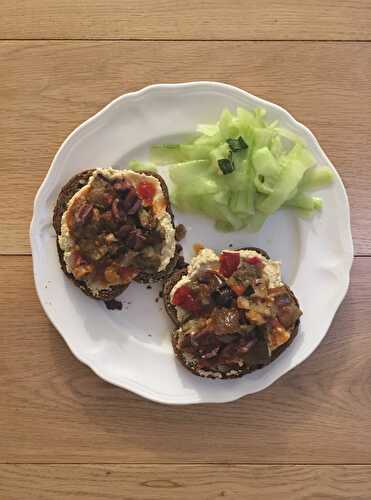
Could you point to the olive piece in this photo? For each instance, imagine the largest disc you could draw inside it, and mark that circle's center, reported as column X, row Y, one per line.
column 223, row 296
column 180, row 232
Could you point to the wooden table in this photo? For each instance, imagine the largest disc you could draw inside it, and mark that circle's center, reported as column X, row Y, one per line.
column 64, row 433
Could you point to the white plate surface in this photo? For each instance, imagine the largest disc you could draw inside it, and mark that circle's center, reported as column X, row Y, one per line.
column 132, row 348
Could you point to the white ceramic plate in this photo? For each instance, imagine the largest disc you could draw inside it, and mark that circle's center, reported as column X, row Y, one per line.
column 131, row 348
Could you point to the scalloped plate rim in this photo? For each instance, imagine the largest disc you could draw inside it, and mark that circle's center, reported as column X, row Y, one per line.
column 133, row 385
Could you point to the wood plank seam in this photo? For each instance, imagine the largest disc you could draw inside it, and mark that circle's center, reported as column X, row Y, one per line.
column 227, row 40
column 193, row 464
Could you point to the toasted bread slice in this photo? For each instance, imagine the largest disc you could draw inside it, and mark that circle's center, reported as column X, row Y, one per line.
column 259, row 356
column 74, row 185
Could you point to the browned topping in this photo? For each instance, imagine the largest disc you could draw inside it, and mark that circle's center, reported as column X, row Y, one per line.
column 254, row 317
column 243, row 303
column 135, row 207
column 246, row 273
column 117, row 211
column 113, row 232
column 288, row 312
column 124, row 231
column 276, row 336
column 136, row 239
column 236, row 320
column 83, row 270
column 130, row 200
column 112, row 275
column 122, row 186
column 83, row 212
column 147, row 219
column 225, row 321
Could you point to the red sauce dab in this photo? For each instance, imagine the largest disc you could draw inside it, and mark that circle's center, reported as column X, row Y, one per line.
column 146, row 191
column 229, row 262
column 255, row 261
column 183, row 297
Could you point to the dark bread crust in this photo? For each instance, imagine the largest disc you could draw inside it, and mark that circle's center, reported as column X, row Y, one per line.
column 168, row 286
column 68, row 190
column 171, row 310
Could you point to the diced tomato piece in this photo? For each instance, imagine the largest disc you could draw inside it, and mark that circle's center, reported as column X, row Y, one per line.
column 255, row 261
column 146, row 191
column 238, row 289
column 183, row 297
column 229, row 262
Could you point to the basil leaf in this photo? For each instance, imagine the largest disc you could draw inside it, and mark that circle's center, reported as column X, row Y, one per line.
column 237, row 145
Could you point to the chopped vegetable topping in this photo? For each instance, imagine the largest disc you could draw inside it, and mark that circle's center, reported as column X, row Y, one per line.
column 128, row 273
column 183, row 297
column 146, row 191
column 233, row 316
column 114, row 231
column 229, row 262
column 255, row 261
column 238, row 289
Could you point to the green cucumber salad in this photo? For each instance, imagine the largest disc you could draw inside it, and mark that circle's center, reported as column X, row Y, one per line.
column 240, row 170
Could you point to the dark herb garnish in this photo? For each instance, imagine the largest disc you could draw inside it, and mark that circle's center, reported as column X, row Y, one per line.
column 226, row 165
column 237, row 145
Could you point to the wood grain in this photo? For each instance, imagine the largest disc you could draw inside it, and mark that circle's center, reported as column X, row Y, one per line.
column 48, row 88
column 54, row 409
column 166, row 482
column 167, row 19
column 64, row 433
